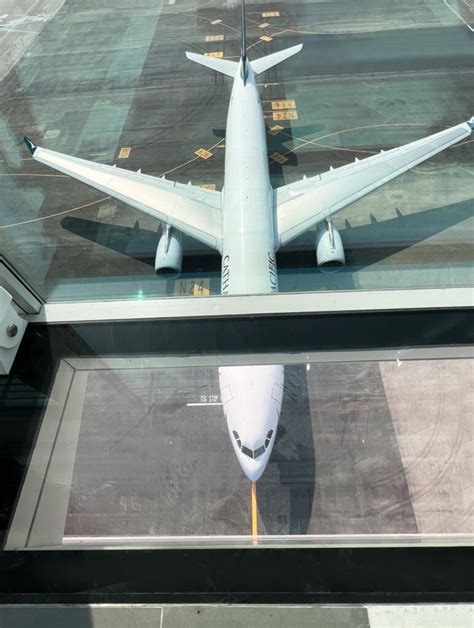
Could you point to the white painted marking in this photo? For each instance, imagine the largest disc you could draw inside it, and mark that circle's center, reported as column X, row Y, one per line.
column 420, row 616
column 459, row 16
column 14, row 30
column 52, row 134
column 193, row 405
column 171, row 2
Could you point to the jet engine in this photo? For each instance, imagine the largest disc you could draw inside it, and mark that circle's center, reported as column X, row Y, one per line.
column 329, row 248
column 169, row 253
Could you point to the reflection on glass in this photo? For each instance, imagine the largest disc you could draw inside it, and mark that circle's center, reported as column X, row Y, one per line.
column 74, row 243
column 127, row 450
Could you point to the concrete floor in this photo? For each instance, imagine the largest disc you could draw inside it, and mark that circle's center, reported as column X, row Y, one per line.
column 169, row 616
column 95, row 80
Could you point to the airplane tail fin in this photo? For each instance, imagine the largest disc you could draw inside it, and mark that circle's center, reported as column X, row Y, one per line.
column 265, row 63
column 243, row 33
column 224, row 66
column 219, row 65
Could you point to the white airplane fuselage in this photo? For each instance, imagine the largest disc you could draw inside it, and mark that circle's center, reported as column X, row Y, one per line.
column 251, row 395
column 248, row 256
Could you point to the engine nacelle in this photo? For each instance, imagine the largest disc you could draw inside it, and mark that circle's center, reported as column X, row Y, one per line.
column 169, row 253
column 329, row 248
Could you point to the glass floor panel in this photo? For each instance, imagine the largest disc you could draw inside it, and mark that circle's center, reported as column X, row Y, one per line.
column 371, row 447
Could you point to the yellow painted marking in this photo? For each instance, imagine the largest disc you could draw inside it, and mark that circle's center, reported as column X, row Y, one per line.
column 271, row 14
column 254, row 514
column 66, row 211
column 264, row 25
column 203, row 153
column 186, row 163
column 283, row 104
column 216, row 55
column 124, row 153
column 276, row 129
column 215, row 38
column 266, row 38
column 214, row 22
column 279, row 158
column 208, row 186
column 285, row 115
column 106, row 212
column 192, row 287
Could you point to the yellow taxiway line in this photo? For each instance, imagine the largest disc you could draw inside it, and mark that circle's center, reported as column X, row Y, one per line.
column 254, row 513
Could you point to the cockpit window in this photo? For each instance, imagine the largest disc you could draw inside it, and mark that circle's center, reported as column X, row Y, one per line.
column 237, row 439
column 248, row 452
column 268, row 438
column 254, row 454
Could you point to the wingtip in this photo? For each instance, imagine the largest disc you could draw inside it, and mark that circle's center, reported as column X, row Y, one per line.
column 31, row 145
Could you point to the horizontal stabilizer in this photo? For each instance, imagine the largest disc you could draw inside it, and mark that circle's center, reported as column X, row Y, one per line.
column 219, row 65
column 265, row 63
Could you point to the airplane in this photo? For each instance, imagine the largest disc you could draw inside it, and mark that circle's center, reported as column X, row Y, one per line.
column 247, row 222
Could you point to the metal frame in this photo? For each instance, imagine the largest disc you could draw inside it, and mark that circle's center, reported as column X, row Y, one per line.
column 255, row 305
column 24, row 296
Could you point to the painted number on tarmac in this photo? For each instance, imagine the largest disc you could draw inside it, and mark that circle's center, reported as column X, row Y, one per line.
column 279, row 158
column 278, row 105
column 285, row 115
column 203, row 153
column 192, row 288
column 124, row 153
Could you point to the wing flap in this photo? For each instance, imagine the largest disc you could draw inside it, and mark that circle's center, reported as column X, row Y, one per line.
column 191, row 209
column 305, row 203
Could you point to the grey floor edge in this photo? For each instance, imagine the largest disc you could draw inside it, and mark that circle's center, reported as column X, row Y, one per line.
column 275, row 616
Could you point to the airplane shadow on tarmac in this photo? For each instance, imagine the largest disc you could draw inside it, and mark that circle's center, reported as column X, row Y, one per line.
column 285, row 491
column 375, row 241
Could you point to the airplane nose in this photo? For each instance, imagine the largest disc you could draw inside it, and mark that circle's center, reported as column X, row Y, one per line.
column 251, row 397
column 253, row 469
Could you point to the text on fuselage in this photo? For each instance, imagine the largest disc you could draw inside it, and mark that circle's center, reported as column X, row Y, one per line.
column 272, row 272
column 225, row 274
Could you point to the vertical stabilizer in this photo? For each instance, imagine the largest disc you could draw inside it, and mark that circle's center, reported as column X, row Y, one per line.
column 243, row 46
column 243, row 41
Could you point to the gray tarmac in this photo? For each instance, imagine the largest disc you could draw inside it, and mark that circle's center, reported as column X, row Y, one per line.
column 98, row 79
column 359, row 450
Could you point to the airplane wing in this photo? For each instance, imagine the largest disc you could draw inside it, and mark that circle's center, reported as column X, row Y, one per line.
column 303, row 204
column 190, row 209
